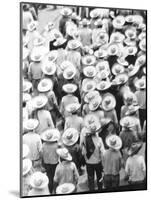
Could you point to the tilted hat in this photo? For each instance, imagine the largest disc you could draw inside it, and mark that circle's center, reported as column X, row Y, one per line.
column 49, row 68
column 117, row 69
column 133, row 69
column 118, row 22
column 74, row 44
column 89, row 71
column 59, row 41
column 95, row 103
column 69, row 88
column 45, row 85
column 142, row 44
column 66, row 11
column 103, row 85
column 70, row 136
column 30, row 124
column 39, row 180
column 64, row 153
column 39, row 101
column 89, row 60
column 108, row 102
column 120, row 79
column 130, row 42
column 129, row 18
column 26, row 86
column 91, row 122
column 91, row 95
column 127, row 122
column 132, row 109
column 25, row 150
column 32, row 25
column 134, row 149
column 50, row 135
column 141, row 60
column 69, row 72
column 89, row 85
column 72, row 107
column 140, row 83
column 114, row 142
column 65, row 188
column 27, row 165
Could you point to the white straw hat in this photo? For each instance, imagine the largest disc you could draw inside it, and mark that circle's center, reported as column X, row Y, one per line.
column 70, row 136
column 30, row 124
column 69, row 88
column 65, row 188
column 108, row 102
column 39, row 180
column 26, row 86
column 39, row 101
column 69, row 72
column 118, row 22
column 117, row 69
column 50, row 135
column 89, row 71
column 45, row 85
column 64, row 153
column 114, row 142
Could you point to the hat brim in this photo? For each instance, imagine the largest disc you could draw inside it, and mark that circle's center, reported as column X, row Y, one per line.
column 69, row 185
column 68, row 158
column 44, row 184
column 118, row 143
column 29, row 166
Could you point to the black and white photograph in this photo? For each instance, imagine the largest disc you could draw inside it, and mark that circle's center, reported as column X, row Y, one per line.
column 83, row 99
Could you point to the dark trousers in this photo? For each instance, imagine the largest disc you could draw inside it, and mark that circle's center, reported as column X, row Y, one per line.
column 91, row 169
column 142, row 116
column 111, row 181
column 50, row 170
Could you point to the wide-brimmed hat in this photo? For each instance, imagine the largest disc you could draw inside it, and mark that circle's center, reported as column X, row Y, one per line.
column 142, row 35
column 118, row 22
column 133, row 69
column 134, row 149
column 121, row 60
column 102, row 65
column 89, row 85
column 65, row 64
column 75, row 16
column 129, row 96
column 91, row 122
column 95, row 103
column 59, row 41
column 114, row 142
column 130, row 42
column 74, row 44
column 25, row 52
column 64, row 153
column 103, row 85
column 129, row 18
column 131, row 50
column 69, row 72
column 102, row 75
column 66, row 11
column 52, row 56
column 27, row 85
column 141, row 60
column 39, row 41
column 142, row 44
column 102, row 38
column 120, row 79
column 39, row 101
column 117, row 69
column 65, row 188
column 45, row 85
column 69, row 88
column 25, row 150
column 140, row 83
column 95, row 13
column 131, row 33
column 39, row 180
column 85, row 22
column 70, row 136
column 91, row 95
column 113, row 49
column 132, row 109
column 72, row 107
column 117, row 37
column 108, row 102
column 89, row 71
column 89, row 60
column 32, row 25
column 127, row 122
column 37, row 55
column 50, row 135
column 30, row 124
column 101, row 53
column 137, row 19
column 27, row 165
column 49, row 68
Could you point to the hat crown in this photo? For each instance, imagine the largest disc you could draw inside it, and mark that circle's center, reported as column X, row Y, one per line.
column 113, row 141
column 49, row 135
column 107, row 101
column 44, row 84
column 121, row 79
column 38, row 182
column 88, row 60
column 102, row 85
column 69, row 136
column 89, row 86
column 69, row 73
column 39, row 102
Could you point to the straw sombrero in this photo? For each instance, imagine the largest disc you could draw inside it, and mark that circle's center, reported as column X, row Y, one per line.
column 113, row 49
column 108, row 102
column 70, row 136
column 102, row 65
column 30, row 124
column 65, row 64
column 95, row 103
column 64, row 153
column 50, row 135
column 142, row 44
column 89, row 85
column 25, row 150
column 132, row 70
column 131, row 33
column 89, row 60
column 127, row 122
column 89, row 71
column 65, row 188
column 103, row 85
column 132, row 109
column 39, row 101
column 49, row 68
column 129, row 18
column 45, row 85
column 91, row 95
column 26, row 86
column 72, row 107
column 120, row 79
column 52, row 56
column 114, row 142
column 55, row 34
column 74, row 44
column 141, row 60
column 117, row 69
column 37, row 55
column 118, row 22
column 69, row 72
column 39, row 180
column 131, row 50
column 32, row 26
column 91, row 122
column 94, row 13
column 27, row 165
column 69, row 88
column 140, row 83
column 117, row 37
column 102, row 37
column 59, row 41
column 66, row 11
column 130, row 42
column 101, row 53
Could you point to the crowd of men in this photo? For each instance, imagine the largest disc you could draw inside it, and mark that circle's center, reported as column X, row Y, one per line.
column 83, row 99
